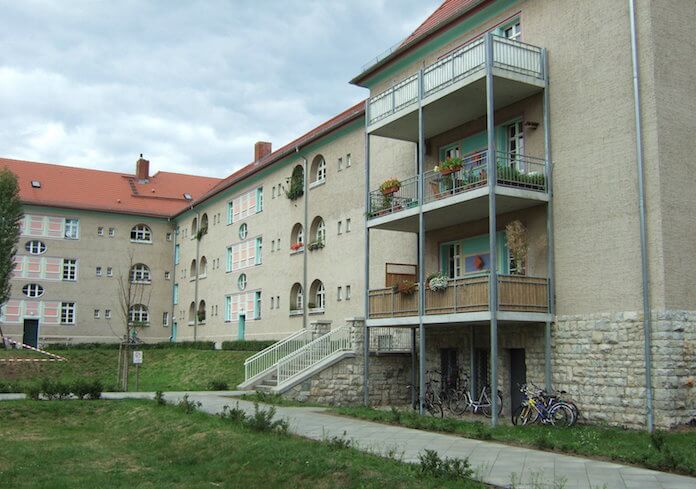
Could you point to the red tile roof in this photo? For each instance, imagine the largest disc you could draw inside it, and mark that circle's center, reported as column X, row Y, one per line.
column 447, row 12
column 323, row 129
column 80, row 188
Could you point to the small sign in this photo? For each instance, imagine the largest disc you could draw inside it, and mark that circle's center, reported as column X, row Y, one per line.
column 137, row 357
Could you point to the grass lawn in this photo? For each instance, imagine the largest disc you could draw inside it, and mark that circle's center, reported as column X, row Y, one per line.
column 165, row 369
column 676, row 452
column 88, row 444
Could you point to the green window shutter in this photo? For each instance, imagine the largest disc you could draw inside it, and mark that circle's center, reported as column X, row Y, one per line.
column 257, row 304
column 177, row 254
column 230, row 208
column 229, row 259
column 259, row 199
column 176, row 294
column 228, row 308
column 258, row 251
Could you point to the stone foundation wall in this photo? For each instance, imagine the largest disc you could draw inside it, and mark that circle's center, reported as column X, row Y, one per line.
column 600, row 360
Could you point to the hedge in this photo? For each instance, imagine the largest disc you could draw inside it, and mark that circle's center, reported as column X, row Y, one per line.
column 252, row 345
column 198, row 345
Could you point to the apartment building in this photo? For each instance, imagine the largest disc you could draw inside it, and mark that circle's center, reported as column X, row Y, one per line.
column 84, row 234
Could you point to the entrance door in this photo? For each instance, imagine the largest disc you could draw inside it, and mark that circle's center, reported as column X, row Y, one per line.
column 31, row 332
column 481, row 365
column 518, row 376
column 448, row 368
column 241, row 326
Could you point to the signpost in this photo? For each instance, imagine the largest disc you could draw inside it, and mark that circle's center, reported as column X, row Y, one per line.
column 137, row 361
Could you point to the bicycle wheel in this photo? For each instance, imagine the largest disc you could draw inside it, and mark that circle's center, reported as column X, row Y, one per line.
column 524, row 415
column 486, row 405
column 457, row 403
column 561, row 414
column 434, row 408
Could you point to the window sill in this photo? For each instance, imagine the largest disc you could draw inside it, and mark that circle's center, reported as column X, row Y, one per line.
column 296, row 313
column 317, row 183
column 142, row 282
column 316, row 311
column 140, row 241
column 296, row 252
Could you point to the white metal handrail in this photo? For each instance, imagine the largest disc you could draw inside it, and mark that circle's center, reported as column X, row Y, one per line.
column 509, row 55
column 269, row 357
column 312, row 353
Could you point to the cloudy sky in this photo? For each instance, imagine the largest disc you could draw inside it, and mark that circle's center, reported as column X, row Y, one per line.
column 192, row 85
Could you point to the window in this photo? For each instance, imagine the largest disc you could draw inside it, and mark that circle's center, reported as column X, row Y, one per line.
column 112, row 232
column 318, row 231
column 272, row 302
column 138, row 314
column 339, row 293
column 319, row 293
column 167, row 275
column 243, row 231
column 107, row 313
column 193, row 269
column 67, row 313
column 273, row 192
column 72, row 228
column 96, row 314
column 454, row 261
column 340, row 163
column 177, row 254
column 35, row 247
column 340, row 227
column 259, row 248
column 347, row 292
column 242, row 281
column 259, row 199
column 204, row 223
column 109, row 272
column 277, row 302
column 296, row 298
column 33, row 290
column 140, row 274
column 348, row 225
column 348, row 160
column 296, row 237
column 165, row 319
column 201, row 312
column 203, row 267
column 272, row 245
column 321, row 231
column 100, row 232
column 194, row 227
column 319, row 169
column 512, row 31
column 169, row 236
column 257, row 305
column 141, row 234
column 230, row 212
column 515, row 144
column 99, row 271
column 247, row 204
column 69, row 269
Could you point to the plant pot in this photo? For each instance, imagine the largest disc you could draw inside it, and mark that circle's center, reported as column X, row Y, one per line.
column 449, row 171
column 390, row 190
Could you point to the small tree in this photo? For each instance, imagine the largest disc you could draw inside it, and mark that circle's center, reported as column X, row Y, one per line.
column 517, row 243
column 130, row 294
column 10, row 215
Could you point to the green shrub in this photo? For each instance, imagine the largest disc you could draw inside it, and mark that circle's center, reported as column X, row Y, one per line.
column 9, row 387
column 189, row 406
column 217, row 385
column 159, row 398
column 53, row 390
column 87, row 389
column 262, row 420
column 33, row 391
column 482, row 432
column 253, row 345
column 448, row 468
column 193, row 345
column 235, row 414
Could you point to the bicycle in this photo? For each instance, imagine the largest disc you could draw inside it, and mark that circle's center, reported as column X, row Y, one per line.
column 538, row 407
column 460, row 400
column 432, row 402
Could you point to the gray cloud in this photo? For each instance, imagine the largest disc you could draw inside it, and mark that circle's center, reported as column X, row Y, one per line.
column 192, row 85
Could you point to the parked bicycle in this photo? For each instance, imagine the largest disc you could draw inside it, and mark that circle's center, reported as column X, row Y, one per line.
column 432, row 402
column 544, row 408
column 461, row 400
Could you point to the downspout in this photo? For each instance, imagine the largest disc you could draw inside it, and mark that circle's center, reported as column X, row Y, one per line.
column 647, row 326
column 195, row 292
column 173, row 309
column 366, row 271
column 305, row 292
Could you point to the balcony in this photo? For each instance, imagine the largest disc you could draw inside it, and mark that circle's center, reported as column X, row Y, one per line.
column 520, row 298
column 521, row 183
column 453, row 88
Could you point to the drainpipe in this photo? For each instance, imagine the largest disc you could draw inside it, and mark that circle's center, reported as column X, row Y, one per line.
column 647, row 326
column 195, row 293
column 366, row 292
column 305, row 292
column 173, row 309
column 421, row 246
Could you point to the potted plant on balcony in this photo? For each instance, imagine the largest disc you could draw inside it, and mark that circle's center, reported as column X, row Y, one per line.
column 315, row 245
column 390, row 186
column 516, row 236
column 406, row 287
column 449, row 165
column 437, row 282
column 296, row 246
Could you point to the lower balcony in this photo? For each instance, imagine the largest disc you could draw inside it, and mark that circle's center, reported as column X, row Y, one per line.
column 520, row 298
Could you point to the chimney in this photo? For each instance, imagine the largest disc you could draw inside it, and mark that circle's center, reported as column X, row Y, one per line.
column 261, row 150
column 142, row 168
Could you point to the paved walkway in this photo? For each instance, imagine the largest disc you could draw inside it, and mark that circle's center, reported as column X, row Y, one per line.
column 494, row 463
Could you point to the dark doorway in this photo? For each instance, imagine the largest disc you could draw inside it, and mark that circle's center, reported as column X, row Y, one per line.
column 448, row 368
column 31, row 332
column 518, row 376
column 481, row 365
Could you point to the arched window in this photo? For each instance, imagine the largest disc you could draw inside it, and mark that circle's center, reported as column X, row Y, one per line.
column 296, row 297
column 204, row 223
column 296, row 183
column 318, row 293
column 192, row 313
column 194, row 269
column 242, row 281
column 140, row 274
column 318, row 169
column 243, row 230
column 138, row 314
column 141, row 234
column 297, row 237
column 33, row 290
column 201, row 312
column 318, row 234
column 203, row 267
column 35, row 247
column 194, row 227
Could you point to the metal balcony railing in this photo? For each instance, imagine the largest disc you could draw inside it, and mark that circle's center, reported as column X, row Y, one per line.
column 268, row 358
column 390, row 340
column 516, row 293
column 509, row 55
column 404, row 198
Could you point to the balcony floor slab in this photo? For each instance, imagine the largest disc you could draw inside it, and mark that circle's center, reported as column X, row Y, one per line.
column 470, row 318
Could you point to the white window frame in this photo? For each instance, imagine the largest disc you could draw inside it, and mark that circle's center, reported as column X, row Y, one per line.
column 243, row 231
column 112, row 232
column 109, row 272
column 98, row 271
column 348, row 160
column 138, row 313
column 340, row 227
column 140, row 274
column 69, row 268
column 513, row 31
column 321, row 296
column 100, row 232
column 33, row 290
column 141, row 233
column 321, row 170
column 348, row 224
column 339, row 293
column 242, row 281
column 321, row 231
column 165, row 318
column 68, row 312
column 340, row 163
column 107, row 313
column 347, row 292
column 72, row 229
column 35, row 247
column 97, row 314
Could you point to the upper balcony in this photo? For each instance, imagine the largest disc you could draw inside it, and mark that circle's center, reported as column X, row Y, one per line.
column 460, row 195
column 453, row 89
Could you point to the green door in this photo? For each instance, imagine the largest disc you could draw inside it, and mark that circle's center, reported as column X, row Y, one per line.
column 240, row 328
